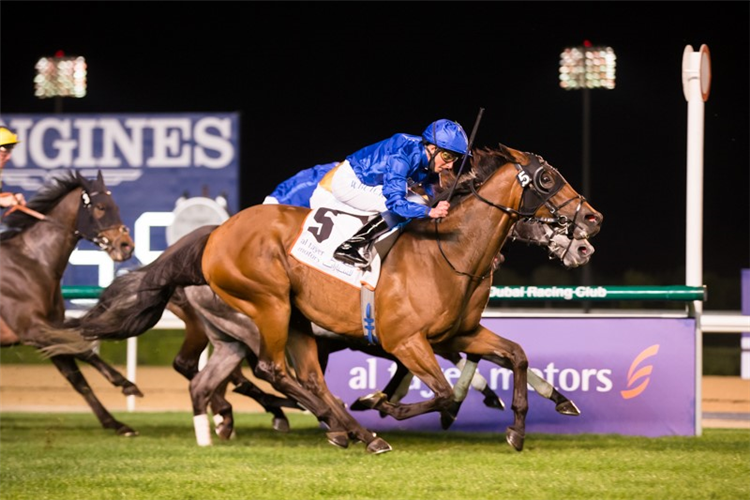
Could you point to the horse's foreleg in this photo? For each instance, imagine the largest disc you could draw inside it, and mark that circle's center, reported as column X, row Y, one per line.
column 417, row 356
column 69, row 369
column 563, row 405
column 494, row 348
column 115, row 378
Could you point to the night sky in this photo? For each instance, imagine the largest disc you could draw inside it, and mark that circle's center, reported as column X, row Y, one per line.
column 315, row 81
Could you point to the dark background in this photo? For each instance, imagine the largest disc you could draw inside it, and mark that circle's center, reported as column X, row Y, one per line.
column 315, row 81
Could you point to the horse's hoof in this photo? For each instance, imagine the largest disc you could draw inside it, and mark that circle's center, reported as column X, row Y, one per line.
column 132, row 390
column 568, row 408
column 514, row 438
column 447, row 417
column 280, row 424
column 493, row 401
column 368, row 402
column 378, row 446
column 338, row 438
column 126, row 431
column 225, row 432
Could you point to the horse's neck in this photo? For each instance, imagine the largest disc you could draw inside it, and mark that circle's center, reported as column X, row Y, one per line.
column 50, row 242
column 480, row 228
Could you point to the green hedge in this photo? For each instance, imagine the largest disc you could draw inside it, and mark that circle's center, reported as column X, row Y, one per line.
column 155, row 348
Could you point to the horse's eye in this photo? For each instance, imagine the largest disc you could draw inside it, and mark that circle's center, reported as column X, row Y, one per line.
column 546, row 180
column 100, row 206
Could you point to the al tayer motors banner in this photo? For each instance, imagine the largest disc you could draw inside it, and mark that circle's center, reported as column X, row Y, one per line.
column 630, row 376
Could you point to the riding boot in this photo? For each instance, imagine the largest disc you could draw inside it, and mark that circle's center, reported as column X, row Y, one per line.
column 356, row 250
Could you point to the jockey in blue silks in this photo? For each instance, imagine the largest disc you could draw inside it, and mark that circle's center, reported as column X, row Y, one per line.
column 376, row 179
column 298, row 189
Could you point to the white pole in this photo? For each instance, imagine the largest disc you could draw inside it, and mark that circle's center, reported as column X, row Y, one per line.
column 132, row 363
column 696, row 84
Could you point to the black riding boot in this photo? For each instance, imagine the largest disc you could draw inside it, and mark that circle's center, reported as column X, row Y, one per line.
column 356, row 250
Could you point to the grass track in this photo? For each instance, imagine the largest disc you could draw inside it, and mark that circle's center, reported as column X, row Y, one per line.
column 68, row 456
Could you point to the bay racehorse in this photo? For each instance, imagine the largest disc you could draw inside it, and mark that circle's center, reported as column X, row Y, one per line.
column 432, row 291
column 34, row 252
column 208, row 318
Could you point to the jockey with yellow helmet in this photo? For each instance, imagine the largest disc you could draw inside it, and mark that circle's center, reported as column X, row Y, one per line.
column 8, row 141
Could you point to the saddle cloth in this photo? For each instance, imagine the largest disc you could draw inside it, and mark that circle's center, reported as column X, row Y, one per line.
column 323, row 230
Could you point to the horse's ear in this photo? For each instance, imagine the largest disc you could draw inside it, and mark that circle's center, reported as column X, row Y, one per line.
column 81, row 179
column 100, row 177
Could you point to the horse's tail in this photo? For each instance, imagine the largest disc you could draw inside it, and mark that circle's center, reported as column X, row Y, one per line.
column 135, row 301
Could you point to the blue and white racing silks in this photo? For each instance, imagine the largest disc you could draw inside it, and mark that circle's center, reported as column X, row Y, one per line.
column 391, row 163
column 298, row 189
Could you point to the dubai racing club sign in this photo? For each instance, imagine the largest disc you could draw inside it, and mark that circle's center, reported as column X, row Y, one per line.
column 150, row 162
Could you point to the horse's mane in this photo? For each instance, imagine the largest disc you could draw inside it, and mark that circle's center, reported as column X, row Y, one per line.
column 484, row 163
column 43, row 201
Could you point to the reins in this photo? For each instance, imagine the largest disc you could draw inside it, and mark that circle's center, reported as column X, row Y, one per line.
column 531, row 181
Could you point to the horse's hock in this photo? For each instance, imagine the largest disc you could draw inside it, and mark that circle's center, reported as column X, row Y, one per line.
column 39, row 388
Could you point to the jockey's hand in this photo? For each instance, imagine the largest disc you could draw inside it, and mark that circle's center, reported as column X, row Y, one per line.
column 440, row 210
column 20, row 199
column 10, row 199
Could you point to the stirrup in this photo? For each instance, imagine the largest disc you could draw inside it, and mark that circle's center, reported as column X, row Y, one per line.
column 350, row 256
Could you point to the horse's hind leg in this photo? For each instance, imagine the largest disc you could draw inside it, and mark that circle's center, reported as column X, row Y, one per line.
column 563, row 405
column 187, row 360
column 302, row 349
column 67, row 366
column 115, row 378
column 226, row 357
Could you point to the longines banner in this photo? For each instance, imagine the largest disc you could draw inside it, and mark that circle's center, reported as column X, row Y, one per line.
column 629, row 376
column 150, row 162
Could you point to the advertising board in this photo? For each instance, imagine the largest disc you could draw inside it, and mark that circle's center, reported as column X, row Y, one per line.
column 629, row 376
column 150, row 162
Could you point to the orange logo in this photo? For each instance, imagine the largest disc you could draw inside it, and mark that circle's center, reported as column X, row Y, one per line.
column 635, row 373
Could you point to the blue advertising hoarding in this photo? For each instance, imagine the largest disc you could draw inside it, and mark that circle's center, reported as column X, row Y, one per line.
column 150, row 162
column 629, row 376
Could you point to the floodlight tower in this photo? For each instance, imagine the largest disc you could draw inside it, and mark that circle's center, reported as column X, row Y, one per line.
column 584, row 68
column 60, row 76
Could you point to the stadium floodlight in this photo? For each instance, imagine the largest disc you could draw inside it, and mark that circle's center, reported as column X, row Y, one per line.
column 60, row 76
column 584, row 68
column 587, row 67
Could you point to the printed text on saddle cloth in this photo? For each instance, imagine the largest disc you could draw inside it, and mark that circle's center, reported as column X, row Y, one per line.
column 323, row 231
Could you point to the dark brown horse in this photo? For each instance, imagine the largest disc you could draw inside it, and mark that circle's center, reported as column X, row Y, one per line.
column 434, row 286
column 34, row 253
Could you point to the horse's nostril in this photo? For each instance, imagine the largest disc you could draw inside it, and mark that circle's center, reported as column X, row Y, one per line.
column 582, row 250
column 592, row 218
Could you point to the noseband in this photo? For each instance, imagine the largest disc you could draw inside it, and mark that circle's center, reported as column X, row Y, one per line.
column 89, row 227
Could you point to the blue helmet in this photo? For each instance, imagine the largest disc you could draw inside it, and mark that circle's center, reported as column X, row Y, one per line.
column 447, row 134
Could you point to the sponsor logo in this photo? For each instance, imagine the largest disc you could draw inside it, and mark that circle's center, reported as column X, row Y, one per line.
column 641, row 374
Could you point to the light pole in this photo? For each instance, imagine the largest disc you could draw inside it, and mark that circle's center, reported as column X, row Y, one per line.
column 60, row 76
column 584, row 68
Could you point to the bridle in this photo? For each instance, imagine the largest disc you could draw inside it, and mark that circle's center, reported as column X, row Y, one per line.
column 88, row 227
column 94, row 232
column 539, row 187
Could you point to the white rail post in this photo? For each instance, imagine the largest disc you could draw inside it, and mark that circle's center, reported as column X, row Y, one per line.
column 696, row 85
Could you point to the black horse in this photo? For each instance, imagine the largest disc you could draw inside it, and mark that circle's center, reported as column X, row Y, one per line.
column 34, row 252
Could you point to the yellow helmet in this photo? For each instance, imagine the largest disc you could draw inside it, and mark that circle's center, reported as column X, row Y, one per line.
column 7, row 137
